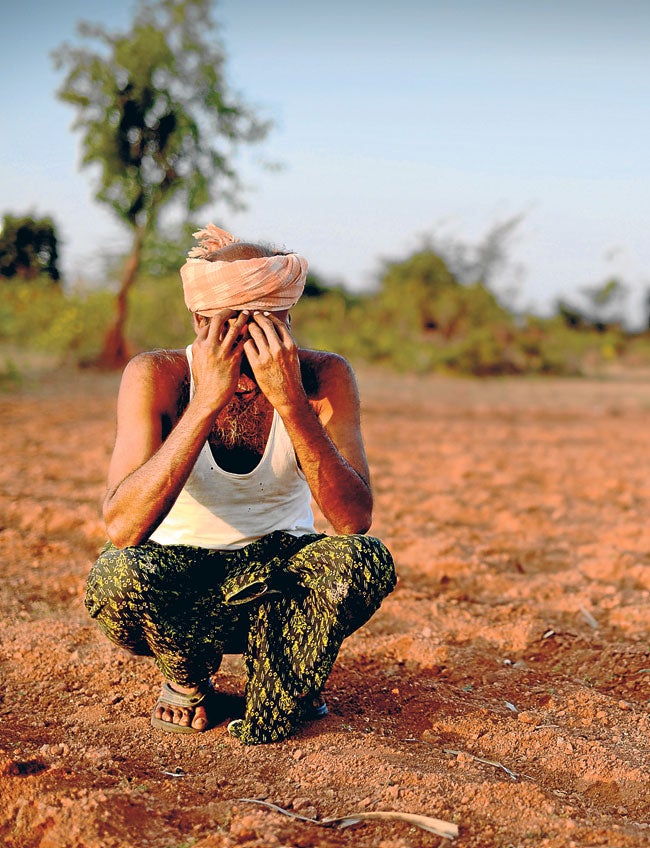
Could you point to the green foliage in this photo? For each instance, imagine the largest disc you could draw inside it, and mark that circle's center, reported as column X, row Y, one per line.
column 436, row 325
column 70, row 327
column 36, row 316
column 161, row 251
column 317, row 286
column 158, row 120
column 424, row 319
column 486, row 261
column 10, row 375
column 155, row 112
column 28, row 248
column 637, row 350
column 603, row 309
column 158, row 316
column 413, row 292
column 421, row 296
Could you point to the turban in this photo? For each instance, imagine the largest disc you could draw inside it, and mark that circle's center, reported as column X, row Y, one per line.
column 266, row 283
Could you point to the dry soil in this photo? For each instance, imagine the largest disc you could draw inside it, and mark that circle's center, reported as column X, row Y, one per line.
column 503, row 686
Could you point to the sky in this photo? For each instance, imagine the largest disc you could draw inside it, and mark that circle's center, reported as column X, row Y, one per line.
column 392, row 122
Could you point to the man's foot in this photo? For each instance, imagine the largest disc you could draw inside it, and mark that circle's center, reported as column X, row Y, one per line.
column 183, row 709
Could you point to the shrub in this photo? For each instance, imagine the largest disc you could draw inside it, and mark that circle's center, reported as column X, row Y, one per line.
column 37, row 316
column 482, row 338
column 158, row 316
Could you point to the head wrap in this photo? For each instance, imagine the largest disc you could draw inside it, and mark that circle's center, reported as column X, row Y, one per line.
column 268, row 282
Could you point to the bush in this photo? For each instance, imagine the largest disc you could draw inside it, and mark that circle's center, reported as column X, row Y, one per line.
column 36, row 316
column 10, row 375
column 158, row 316
column 70, row 327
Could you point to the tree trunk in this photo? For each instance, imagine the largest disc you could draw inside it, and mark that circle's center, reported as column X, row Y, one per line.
column 116, row 351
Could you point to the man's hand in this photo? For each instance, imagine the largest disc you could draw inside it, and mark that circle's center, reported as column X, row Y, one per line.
column 216, row 356
column 273, row 357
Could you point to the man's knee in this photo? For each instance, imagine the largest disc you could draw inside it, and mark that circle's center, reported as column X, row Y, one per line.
column 114, row 578
column 365, row 575
column 377, row 565
column 361, row 564
column 365, row 555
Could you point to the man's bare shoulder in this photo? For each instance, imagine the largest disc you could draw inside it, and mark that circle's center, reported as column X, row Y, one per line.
column 165, row 366
column 324, row 372
column 159, row 374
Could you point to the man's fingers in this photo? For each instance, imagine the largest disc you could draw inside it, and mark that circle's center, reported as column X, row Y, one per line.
column 265, row 339
column 237, row 333
column 217, row 323
column 274, row 331
column 202, row 332
column 251, row 350
column 281, row 328
column 228, row 328
column 285, row 335
column 243, row 319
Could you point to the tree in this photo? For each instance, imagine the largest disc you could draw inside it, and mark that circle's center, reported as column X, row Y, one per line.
column 157, row 117
column 412, row 291
column 28, row 248
column 605, row 307
column 316, row 286
column 487, row 262
column 421, row 295
column 606, row 302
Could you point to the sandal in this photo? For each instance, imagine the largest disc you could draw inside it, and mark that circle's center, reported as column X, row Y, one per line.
column 317, row 708
column 170, row 697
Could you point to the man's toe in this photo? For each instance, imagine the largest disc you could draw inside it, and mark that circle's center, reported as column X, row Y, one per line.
column 200, row 721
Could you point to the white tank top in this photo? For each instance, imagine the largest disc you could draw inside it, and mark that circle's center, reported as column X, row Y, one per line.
column 220, row 510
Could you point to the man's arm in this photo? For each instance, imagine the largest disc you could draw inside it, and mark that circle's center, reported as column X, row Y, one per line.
column 330, row 450
column 147, row 473
column 328, row 443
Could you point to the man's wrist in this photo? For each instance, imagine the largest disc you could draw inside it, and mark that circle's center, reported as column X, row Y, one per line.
column 295, row 408
column 205, row 405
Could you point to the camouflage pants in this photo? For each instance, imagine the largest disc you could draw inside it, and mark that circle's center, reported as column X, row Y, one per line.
column 287, row 603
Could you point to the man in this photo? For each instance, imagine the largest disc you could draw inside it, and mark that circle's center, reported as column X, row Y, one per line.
column 219, row 451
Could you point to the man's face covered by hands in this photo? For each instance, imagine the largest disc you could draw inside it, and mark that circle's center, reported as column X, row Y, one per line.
column 263, row 338
column 246, row 292
column 247, row 386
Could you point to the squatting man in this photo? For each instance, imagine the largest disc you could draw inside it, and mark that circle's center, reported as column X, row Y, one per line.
column 219, row 450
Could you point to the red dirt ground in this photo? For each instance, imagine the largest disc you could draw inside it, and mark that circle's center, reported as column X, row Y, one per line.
column 504, row 686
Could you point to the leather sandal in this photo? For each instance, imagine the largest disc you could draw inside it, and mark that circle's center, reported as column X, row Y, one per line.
column 171, row 698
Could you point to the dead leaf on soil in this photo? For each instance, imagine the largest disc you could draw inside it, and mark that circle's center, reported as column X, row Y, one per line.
column 446, row 829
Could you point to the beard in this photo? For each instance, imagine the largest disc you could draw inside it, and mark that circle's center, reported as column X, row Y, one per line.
column 240, row 424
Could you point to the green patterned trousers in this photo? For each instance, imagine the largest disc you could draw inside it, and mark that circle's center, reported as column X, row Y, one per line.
column 285, row 602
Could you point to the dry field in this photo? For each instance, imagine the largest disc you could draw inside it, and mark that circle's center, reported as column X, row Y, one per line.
column 504, row 686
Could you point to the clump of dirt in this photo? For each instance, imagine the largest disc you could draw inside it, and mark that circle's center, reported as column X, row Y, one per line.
column 503, row 686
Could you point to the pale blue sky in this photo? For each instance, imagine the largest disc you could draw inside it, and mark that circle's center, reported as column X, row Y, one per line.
column 393, row 120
